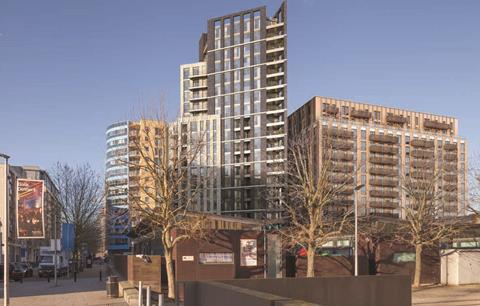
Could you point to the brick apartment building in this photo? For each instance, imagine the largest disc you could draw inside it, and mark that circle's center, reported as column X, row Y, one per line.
column 383, row 145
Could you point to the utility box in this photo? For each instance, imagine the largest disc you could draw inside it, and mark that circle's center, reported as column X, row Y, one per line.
column 112, row 287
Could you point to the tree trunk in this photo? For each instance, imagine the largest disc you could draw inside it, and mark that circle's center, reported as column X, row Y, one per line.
column 310, row 262
column 170, row 273
column 418, row 265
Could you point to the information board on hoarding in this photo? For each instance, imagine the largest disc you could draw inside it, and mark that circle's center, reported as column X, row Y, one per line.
column 216, row 258
column 30, row 212
column 248, row 252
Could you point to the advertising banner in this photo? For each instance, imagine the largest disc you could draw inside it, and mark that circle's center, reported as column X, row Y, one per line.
column 30, row 213
column 248, row 252
column 68, row 236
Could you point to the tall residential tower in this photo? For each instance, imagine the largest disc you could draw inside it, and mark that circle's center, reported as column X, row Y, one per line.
column 241, row 77
column 117, row 220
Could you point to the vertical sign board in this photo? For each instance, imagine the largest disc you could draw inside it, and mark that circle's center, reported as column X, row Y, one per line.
column 68, row 236
column 3, row 198
column 30, row 212
column 248, row 252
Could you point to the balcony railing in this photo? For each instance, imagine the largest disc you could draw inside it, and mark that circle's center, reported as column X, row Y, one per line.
column 450, row 167
column 342, row 156
column 422, row 154
column 343, row 202
column 423, row 164
column 436, row 125
column 384, row 138
column 384, row 183
column 340, row 179
column 383, row 171
column 362, row 114
column 338, row 133
column 384, row 204
column 341, row 145
column 450, row 157
column 343, row 168
column 450, row 187
column 374, row 148
column 385, row 214
column 422, row 175
column 345, row 191
column 383, row 160
column 450, row 178
column 422, row 143
column 384, row 194
column 450, row 146
column 398, row 119
column 330, row 109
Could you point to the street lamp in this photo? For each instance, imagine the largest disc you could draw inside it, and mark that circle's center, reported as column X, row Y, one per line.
column 6, row 264
column 356, row 225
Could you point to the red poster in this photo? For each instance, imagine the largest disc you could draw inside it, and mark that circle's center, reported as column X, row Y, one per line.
column 30, row 213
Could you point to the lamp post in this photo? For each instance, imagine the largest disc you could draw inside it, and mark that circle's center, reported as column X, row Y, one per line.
column 55, row 247
column 356, row 225
column 6, row 264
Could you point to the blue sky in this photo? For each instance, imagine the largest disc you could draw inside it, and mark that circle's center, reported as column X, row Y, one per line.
column 69, row 68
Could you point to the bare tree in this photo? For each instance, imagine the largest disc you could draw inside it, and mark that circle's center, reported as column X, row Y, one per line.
column 474, row 187
column 425, row 224
column 318, row 188
column 374, row 232
column 165, row 195
column 81, row 200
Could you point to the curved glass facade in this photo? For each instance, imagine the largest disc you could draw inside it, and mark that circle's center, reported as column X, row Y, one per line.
column 116, row 183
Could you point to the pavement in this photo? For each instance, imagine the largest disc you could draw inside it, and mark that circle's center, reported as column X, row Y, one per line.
column 88, row 290
column 468, row 295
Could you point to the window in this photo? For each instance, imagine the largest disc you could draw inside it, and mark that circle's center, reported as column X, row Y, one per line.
column 186, row 73
column 246, row 104
column 246, row 55
column 227, row 147
column 246, row 79
column 228, row 124
column 236, row 24
column 246, row 23
column 236, row 76
column 256, row 21
column 226, row 27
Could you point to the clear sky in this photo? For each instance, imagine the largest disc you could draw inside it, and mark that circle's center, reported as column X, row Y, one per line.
column 70, row 68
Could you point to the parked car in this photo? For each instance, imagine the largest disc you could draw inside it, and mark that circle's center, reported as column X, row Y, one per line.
column 14, row 273
column 25, row 267
column 17, row 272
column 45, row 271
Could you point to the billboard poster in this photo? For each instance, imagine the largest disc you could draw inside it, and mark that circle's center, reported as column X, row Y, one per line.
column 248, row 252
column 30, row 214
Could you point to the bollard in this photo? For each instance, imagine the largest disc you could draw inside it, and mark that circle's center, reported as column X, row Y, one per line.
column 48, row 277
column 140, row 292
column 100, row 275
column 148, row 295
column 75, row 277
column 160, row 299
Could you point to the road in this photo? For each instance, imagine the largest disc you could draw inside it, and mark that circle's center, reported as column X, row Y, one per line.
column 447, row 296
column 88, row 290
